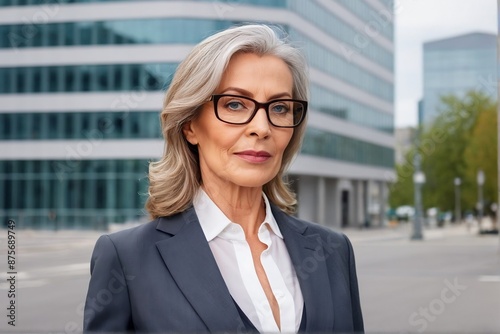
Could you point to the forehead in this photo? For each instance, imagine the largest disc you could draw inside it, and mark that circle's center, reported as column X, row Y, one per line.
column 257, row 72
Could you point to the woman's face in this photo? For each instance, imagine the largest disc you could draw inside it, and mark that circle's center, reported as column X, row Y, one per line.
column 247, row 155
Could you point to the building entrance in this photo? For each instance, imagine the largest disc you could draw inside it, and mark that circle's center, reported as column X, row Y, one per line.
column 345, row 208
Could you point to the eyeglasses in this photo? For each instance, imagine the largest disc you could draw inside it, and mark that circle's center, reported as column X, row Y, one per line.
column 236, row 109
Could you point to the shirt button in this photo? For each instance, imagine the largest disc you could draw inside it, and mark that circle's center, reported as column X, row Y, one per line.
column 279, row 294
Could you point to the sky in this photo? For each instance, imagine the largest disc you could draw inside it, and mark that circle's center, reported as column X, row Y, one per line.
column 419, row 21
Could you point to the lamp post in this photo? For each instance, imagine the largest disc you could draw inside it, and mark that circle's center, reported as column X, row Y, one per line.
column 458, row 213
column 418, row 180
column 480, row 206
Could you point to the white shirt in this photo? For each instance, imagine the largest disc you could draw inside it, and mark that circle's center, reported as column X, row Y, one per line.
column 234, row 258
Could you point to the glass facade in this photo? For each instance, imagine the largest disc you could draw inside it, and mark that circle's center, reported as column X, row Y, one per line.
column 166, row 31
column 72, row 194
column 337, row 28
column 80, row 125
column 455, row 66
column 93, row 193
column 339, row 106
column 145, row 124
column 269, row 3
column 116, row 32
column 330, row 145
column 86, row 78
column 340, row 67
column 377, row 21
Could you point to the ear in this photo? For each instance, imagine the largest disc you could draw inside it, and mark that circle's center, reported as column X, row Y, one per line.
column 189, row 133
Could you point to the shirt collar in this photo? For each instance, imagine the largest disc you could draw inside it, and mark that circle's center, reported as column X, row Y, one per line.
column 213, row 221
column 270, row 218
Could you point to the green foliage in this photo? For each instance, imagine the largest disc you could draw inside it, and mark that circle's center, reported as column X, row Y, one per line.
column 462, row 140
column 401, row 192
column 481, row 154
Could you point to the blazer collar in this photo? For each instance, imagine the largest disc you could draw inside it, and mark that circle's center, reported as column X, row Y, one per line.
column 192, row 265
column 308, row 256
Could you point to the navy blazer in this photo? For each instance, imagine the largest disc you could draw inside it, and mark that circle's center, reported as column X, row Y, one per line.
column 162, row 277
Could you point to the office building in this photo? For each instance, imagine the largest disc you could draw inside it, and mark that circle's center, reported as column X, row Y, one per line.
column 455, row 66
column 82, row 83
column 404, row 141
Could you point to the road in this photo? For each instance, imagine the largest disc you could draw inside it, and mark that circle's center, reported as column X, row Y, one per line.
column 450, row 282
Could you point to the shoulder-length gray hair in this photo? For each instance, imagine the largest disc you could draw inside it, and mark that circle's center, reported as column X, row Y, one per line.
column 174, row 180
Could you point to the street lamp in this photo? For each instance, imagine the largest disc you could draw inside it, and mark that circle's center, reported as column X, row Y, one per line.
column 458, row 214
column 480, row 182
column 418, row 180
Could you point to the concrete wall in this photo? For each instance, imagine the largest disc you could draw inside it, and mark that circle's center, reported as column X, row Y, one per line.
column 334, row 201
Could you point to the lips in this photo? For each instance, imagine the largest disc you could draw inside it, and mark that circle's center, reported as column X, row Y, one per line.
column 254, row 156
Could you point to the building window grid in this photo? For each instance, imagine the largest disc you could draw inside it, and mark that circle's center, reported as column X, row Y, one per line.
column 337, row 28
column 271, row 3
column 368, row 14
column 64, row 180
column 333, row 146
column 112, row 32
column 72, row 195
column 342, row 143
column 333, row 63
column 341, row 107
column 5, row 3
column 329, row 62
column 388, row 3
column 145, row 124
column 77, row 78
column 81, row 125
column 104, row 32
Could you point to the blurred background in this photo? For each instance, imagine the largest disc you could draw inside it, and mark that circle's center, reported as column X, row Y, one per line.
column 400, row 153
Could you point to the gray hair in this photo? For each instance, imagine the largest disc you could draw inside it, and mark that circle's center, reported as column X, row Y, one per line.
column 175, row 178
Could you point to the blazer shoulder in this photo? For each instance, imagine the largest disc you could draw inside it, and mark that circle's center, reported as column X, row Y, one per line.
column 132, row 233
column 135, row 240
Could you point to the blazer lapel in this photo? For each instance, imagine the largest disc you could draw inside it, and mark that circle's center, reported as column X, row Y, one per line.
column 308, row 257
column 193, row 267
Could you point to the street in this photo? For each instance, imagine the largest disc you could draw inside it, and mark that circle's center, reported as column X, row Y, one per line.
column 449, row 282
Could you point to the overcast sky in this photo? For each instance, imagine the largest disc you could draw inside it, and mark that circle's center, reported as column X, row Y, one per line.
column 419, row 21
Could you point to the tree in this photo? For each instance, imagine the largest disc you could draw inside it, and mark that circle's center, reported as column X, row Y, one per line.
column 443, row 145
column 401, row 191
column 461, row 140
column 481, row 153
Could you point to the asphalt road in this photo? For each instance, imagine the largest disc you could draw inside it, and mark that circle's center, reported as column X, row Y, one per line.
column 450, row 282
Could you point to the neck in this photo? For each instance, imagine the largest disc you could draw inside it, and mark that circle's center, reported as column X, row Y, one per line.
column 242, row 205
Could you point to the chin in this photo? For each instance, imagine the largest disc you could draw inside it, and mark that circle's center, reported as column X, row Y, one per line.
column 255, row 181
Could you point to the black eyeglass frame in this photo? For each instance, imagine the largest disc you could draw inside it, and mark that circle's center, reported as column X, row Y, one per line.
column 216, row 97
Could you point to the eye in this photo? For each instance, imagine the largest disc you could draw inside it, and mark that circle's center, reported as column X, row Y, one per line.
column 280, row 108
column 234, row 105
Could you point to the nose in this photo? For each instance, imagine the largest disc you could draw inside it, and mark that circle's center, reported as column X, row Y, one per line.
column 259, row 125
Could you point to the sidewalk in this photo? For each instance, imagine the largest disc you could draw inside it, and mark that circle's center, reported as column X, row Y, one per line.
column 79, row 238
column 45, row 240
column 404, row 231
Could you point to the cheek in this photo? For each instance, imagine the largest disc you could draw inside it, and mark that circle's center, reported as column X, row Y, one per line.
column 284, row 141
column 223, row 140
column 212, row 138
column 217, row 143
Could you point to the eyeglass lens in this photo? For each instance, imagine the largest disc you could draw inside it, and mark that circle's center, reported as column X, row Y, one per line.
column 239, row 110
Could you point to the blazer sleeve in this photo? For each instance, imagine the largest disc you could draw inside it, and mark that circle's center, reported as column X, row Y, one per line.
column 357, row 315
column 107, row 307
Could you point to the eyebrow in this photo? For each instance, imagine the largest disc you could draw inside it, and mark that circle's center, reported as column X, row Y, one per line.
column 249, row 94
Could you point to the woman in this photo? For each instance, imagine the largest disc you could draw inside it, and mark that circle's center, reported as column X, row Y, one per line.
column 223, row 253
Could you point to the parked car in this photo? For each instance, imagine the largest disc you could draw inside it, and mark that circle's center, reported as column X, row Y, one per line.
column 405, row 212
